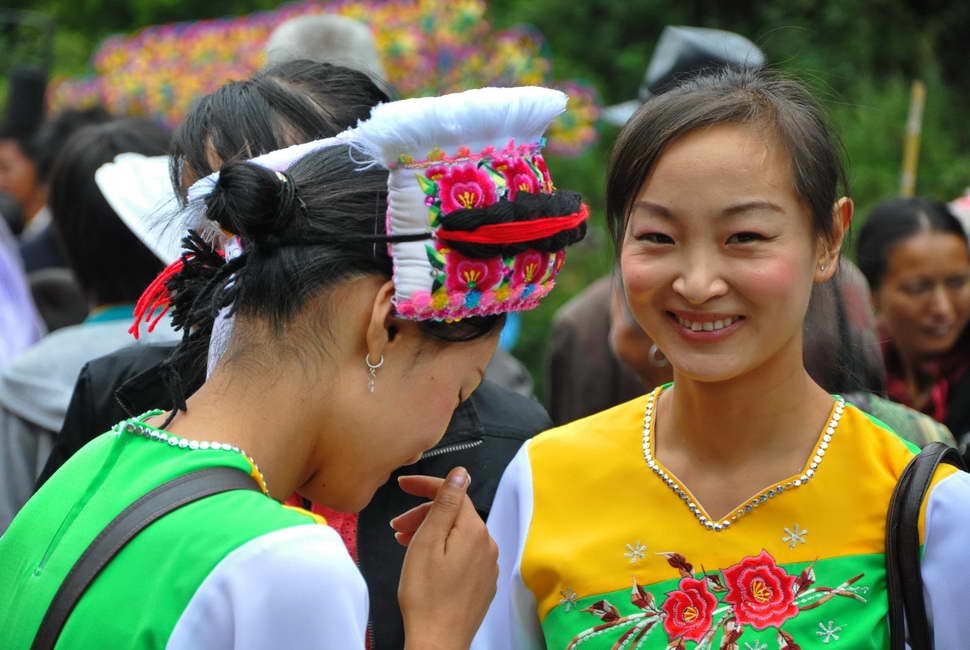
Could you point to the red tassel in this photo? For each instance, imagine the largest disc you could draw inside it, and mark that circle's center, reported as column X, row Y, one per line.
column 155, row 297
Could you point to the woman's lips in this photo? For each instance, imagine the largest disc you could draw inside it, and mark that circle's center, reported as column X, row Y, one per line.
column 706, row 327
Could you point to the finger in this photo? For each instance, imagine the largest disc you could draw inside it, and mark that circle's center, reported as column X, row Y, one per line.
column 404, row 539
column 445, row 508
column 420, row 486
column 409, row 521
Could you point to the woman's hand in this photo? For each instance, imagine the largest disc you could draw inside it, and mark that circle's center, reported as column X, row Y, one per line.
column 449, row 573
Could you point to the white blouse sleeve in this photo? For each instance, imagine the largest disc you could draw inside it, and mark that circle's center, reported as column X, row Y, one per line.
column 946, row 561
column 511, row 621
column 295, row 588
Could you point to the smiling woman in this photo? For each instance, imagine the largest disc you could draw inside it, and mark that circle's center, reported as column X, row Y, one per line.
column 740, row 505
column 914, row 255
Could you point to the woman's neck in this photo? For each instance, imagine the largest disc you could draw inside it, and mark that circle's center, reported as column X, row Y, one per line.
column 773, row 412
column 250, row 412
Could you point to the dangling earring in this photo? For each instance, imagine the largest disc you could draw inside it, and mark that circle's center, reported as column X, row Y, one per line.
column 657, row 357
column 372, row 372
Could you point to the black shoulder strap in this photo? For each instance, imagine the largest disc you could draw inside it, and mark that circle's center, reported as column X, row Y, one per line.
column 159, row 502
column 904, row 582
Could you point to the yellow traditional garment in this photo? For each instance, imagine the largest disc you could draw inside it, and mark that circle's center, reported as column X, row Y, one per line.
column 602, row 547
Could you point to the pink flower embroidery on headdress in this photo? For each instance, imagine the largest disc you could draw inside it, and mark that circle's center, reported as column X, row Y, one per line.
column 463, row 186
column 519, row 176
column 467, row 274
column 530, row 267
column 540, row 164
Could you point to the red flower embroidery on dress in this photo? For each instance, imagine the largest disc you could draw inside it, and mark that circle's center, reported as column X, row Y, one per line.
column 467, row 274
column 530, row 267
column 762, row 593
column 689, row 610
column 463, row 186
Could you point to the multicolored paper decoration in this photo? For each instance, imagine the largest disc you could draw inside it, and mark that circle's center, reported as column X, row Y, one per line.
column 427, row 47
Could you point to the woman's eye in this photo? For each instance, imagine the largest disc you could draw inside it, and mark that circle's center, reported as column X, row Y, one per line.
column 655, row 238
column 956, row 282
column 916, row 287
column 745, row 238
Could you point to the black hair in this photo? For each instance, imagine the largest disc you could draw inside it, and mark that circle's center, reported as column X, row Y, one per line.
column 290, row 103
column 282, row 105
column 53, row 134
column 111, row 263
column 895, row 220
column 730, row 96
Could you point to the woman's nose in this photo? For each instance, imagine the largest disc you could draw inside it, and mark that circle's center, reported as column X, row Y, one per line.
column 942, row 303
column 700, row 280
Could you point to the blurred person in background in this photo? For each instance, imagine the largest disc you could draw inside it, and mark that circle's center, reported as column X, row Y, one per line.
column 914, row 253
column 325, row 38
column 18, row 173
column 20, row 324
column 112, row 266
column 40, row 245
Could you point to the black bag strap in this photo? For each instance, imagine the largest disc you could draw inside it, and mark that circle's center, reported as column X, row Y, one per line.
column 904, row 581
column 152, row 506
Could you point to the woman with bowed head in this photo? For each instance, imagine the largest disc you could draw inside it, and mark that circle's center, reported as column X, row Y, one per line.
column 914, row 255
column 740, row 506
column 374, row 272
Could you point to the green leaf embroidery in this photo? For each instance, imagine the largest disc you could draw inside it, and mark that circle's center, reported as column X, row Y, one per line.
column 428, row 186
column 435, row 258
column 434, row 216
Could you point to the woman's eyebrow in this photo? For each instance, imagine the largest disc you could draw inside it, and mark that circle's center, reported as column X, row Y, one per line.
column 655, row 208
column 730, row 211
column 750, row 206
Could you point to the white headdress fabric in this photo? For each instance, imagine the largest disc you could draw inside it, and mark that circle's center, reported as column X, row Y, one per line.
column 475, row 120
column 140, row 192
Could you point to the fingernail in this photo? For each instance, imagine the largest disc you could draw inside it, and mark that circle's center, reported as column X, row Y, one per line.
column 458, row 477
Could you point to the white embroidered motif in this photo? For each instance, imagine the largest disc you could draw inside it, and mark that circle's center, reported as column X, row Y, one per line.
column 828, row 632
column 756, row 645
column 795, row 536
column 568, row 599
column 635, row 552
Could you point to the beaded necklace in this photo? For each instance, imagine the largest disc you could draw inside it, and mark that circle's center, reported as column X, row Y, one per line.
column 137, row 427
column 675, row 485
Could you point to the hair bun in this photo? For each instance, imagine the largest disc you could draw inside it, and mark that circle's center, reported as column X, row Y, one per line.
column 252, row 202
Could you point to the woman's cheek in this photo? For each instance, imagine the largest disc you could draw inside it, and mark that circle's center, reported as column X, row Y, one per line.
column 773, row 279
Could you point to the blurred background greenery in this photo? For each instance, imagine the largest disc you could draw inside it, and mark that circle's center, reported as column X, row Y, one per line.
column 859, row 56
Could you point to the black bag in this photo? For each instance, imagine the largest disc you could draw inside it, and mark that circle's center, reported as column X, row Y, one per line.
column 904, row 582
column 159, row 502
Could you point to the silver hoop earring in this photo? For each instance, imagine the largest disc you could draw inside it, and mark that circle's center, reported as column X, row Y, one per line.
column 657, row 357
column 372, row 372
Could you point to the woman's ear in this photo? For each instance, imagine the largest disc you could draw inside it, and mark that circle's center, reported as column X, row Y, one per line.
column 828, row 257
column 381, row 328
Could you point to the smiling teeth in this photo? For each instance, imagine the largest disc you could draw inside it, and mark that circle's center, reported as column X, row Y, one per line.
column 708, row 326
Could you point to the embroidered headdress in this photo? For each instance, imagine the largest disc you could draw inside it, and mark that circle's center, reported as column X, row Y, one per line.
column 474, row 223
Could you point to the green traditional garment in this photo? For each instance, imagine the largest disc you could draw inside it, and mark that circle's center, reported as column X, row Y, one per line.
column 233, row 570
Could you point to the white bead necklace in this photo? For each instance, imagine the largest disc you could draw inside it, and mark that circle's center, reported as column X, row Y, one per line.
column 137, row 427
column 817, row 456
